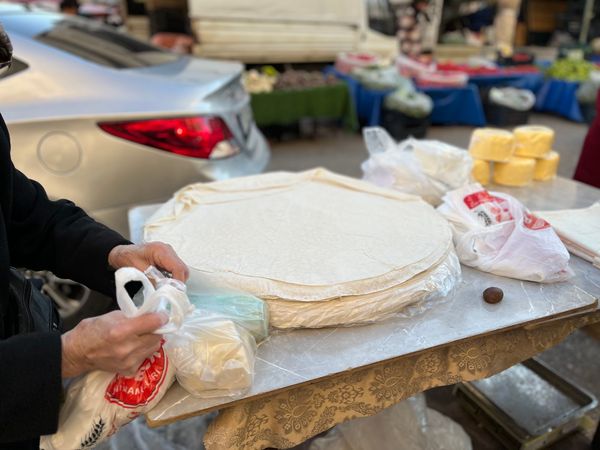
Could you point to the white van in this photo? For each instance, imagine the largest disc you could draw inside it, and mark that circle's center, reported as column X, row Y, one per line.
column 278, row 31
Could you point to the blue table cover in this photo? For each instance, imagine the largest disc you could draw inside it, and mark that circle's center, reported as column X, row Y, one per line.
column 558, row 97
column 456, row 105
column 451, row 105
column 530, row 81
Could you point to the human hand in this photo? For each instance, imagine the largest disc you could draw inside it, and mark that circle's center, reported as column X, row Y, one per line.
column 157, row 254
column 111, row 342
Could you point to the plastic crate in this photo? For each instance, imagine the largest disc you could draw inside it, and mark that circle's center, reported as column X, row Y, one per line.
column 500, row 115
column 400, row 126
column 504, row 116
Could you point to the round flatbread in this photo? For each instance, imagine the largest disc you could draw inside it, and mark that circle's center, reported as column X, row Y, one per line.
column 310, row 236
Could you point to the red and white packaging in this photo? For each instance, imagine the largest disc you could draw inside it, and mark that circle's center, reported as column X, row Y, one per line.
column 495, row 233
column 347, row 62
column 442, row 78
column 99, row 403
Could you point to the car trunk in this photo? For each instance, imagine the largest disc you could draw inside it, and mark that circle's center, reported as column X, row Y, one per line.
column 195, row 71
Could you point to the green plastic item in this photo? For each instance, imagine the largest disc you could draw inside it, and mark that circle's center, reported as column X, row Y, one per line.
column 245, row 310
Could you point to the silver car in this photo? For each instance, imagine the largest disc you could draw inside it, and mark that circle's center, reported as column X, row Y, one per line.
column 110, row 122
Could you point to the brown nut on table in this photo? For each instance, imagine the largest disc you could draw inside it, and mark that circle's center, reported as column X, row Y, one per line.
column 493, row 295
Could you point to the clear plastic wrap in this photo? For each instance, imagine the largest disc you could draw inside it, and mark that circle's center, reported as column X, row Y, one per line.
column 409, row 425
column 244, row 310
column 213, row 356
column 416, row 296
column 422, row 167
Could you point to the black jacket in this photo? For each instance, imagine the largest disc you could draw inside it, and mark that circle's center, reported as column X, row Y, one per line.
column 40, row 234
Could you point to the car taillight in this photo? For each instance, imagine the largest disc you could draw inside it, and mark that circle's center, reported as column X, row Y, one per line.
column 198, row 137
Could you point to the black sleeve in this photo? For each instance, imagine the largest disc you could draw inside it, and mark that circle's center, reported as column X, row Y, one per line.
column 30, row 379
column 59, row 236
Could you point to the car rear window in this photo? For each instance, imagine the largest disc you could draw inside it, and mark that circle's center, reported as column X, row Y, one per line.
column 89, row 40
column 102, row 45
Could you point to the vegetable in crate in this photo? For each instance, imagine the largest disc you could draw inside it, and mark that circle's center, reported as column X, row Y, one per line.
column 302, row 79
column 571, row 69
column 256, row 82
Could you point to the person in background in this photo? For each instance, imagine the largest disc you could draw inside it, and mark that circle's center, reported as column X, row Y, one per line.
column 588, row 167
column 42, row 234
column 70, row 7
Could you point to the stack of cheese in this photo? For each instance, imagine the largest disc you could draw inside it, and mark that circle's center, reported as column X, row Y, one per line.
column 518, row 158
column 321, row 249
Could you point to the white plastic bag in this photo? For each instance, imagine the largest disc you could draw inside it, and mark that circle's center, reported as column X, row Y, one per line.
column 213, row 356
column 495, row 233
column 99, row 403
column 421, row 167
column 214, row 351
column 518, row 99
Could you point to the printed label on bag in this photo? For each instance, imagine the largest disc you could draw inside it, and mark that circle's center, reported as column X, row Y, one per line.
column 534, row 222
column 489, row 209
column 142, row 388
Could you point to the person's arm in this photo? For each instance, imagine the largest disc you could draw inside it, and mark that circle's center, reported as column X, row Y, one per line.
column 59, row 236
column 32, row 367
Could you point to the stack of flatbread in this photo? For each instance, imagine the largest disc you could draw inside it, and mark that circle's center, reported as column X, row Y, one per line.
column 322, row 249
column 579, row 229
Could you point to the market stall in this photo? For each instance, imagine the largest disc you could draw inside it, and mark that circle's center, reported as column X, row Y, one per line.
column 522, row 77
column 456, row 105
column 456, row 89
column 282, row 99
column 290, row 106
column 451, row 105
column 559, row 97
column 308, row 381
column 559, row 92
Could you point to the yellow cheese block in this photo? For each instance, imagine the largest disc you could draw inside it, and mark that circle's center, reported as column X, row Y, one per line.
column 517, row 172
column 545, row 168
column 534, row 141
column 491, row 144
column 481, row 171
